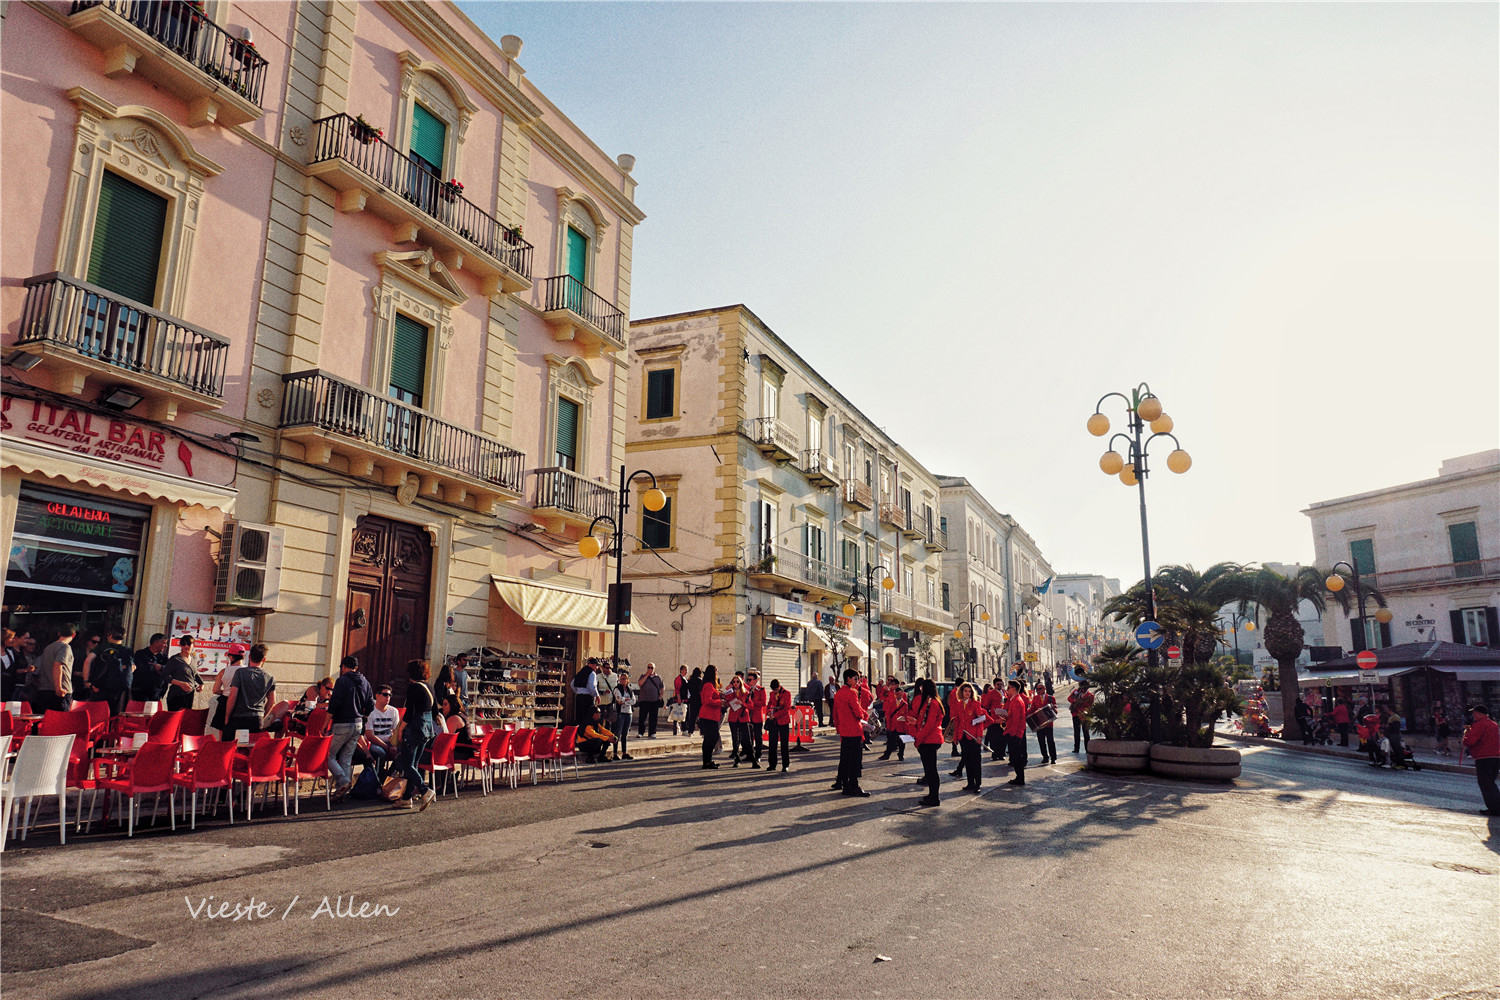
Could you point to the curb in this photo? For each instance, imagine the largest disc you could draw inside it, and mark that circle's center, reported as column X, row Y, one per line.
column 1339, row 752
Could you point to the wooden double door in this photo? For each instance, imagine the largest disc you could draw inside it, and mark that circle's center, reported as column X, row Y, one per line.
column 390, row 585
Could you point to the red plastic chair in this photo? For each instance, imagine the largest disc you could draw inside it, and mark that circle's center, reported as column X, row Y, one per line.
column 500, row 744
column 440, row 758
column 195, row 721
column 165, row 727
column 477, row 758
column 265, row 765
column 75, row 724
column 149, row 772
column 98, row 713
column 124, row 727
column 213, row 768
column 520, row 751
column 567, row 749
column 319, row 723
column 543, row 751
column 311, row 761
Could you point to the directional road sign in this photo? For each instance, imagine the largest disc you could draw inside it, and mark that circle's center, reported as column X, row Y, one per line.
column 1148, row 635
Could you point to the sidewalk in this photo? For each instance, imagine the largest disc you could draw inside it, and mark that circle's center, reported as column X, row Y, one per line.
column 1430, row 760
column 666, row 743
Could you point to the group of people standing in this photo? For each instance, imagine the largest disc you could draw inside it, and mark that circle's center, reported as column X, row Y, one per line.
column 757, row 717
column 606, row 700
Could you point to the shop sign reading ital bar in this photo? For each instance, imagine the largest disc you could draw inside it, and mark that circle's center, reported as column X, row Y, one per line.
column 95, row 436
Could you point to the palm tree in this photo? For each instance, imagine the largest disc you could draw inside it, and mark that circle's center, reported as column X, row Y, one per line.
column 1281, row 596
column 1195, row 623
column 1220, row 583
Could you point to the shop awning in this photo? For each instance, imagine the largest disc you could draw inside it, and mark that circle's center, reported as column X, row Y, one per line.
column 815, row 640
column 552, row 606
column 1340, row 678
column 43, row 461
column 1471, row 673
column 855, row 647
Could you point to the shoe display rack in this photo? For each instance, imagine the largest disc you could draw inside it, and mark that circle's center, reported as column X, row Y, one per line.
column 502, row 687
column 549, row 689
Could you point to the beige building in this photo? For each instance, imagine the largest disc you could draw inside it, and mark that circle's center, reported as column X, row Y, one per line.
column 785, row 502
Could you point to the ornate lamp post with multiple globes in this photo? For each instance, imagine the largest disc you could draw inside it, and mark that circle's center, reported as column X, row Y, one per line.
column 1335, row 583
column 849, row 609
column 589, row 546
column 1142, row 412
column 958, row 633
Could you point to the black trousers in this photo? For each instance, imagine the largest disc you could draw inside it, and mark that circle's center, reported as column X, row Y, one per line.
column 893, row 745
column 1080, row 728
column 780, row 735
column 969, row 747
column 1047, row 743
column 583, row 709
column 818, row 707
column 851, row 761
column 1487, row 769
column 647, row 722
column 710, row 730
column 928, row 753
column 1018, row 756
column 237, row 724
column 994, row 738
column 1343, row 734
column 692, row 719
column 739, row 738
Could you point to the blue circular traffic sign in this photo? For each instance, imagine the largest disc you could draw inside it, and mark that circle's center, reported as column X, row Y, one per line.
column 1148, row 635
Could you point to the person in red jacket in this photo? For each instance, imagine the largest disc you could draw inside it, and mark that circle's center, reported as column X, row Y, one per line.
column 1482, row 741
column 969, row 720
column 952, row 704
column 1341, row 720
column 926, row 713
column 1015, row 732
column 1040, row 698
column 993, row 700
column 737, row 714
column 849, row 720
column 756, row 696
column 710, row 714
column 866, row 699
column 779, row 722
column 893, row 704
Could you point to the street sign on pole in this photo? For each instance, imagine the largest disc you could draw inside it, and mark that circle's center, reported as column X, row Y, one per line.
column 1366, row 660
column 1148, row 635
column 1174, row 653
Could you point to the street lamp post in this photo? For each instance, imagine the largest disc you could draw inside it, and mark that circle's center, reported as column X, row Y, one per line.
column 1143, row 410
column 589, row 546
column 886, row 583
column 1236, row 619
column 1335, row 583
column 958, row 633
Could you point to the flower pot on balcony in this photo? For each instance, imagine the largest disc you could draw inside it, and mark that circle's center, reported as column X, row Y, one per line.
column 363, row 133
column 1201, row 763
column 1120, row 756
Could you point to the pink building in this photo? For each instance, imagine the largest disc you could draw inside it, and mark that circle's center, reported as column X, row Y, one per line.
column 324, row 306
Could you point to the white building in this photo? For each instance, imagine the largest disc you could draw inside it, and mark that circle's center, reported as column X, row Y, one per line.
column 975, row 575
column 1432, row 548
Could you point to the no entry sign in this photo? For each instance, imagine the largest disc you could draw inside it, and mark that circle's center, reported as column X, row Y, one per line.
column 1174, row 653
column 1366, row 660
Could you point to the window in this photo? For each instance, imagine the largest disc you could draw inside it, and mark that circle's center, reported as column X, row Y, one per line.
column 429, row 140
column 814, row 542
column 869, row 474
column 1377, row 636
column 851, row 556
column 946, row 601
column 770, row 399
column 1463, row 540
column 125, row 255
column 567, row 433
column 1362, row 555
column 907, row 583
column 409, row 361
column 906, row 503
column 814, row 430
column 763, row 530
column 1474, row 626
column 578, row 259
column 849, row 460
column 931, row 591
column 656, row 527
column 661, row 394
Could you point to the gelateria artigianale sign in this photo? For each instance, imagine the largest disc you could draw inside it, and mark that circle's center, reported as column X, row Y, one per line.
column 96, row 436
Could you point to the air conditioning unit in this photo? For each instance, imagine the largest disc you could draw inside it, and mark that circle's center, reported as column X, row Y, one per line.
column 249, row 565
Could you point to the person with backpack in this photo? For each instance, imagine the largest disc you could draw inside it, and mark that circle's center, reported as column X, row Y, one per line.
column 418, row 727
column 108, row 678
column 148, row 683
column 351, row 701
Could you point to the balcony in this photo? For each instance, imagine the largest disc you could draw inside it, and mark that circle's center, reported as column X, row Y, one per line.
column 934, row 535
column 388, row 441
column 1475, row 571
column 820, row 468
column 562, row 497
column 857, row 495
column 772, row 438
column 784, row 570
column 578, row 313
column 82, row 332
column 900, row 518
column 176, row 47
column 902, row 609
column 371, row 174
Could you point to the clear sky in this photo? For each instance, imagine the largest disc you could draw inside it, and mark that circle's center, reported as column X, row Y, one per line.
column 976, row 219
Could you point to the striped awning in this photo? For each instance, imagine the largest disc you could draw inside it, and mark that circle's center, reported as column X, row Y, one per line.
column 551, row 606
column 43, row 461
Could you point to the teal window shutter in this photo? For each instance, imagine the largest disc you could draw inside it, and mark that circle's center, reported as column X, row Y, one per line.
column 429, row 138
column 656, row 527
column 1362, row 555
column 409, row 361
column 578, row 256
column 1464, row 540
column 126, row 252
column 567, row 433
column 659, row 393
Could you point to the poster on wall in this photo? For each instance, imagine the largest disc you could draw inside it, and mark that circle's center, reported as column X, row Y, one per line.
column 212, row 634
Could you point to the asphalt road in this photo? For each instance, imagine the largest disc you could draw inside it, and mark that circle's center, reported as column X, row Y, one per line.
column 1310, row 877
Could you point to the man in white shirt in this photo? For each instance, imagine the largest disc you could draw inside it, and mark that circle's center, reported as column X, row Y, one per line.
column 375, row 747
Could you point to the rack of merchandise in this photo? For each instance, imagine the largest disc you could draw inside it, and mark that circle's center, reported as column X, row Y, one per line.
column 501, row 687
column 548, row 688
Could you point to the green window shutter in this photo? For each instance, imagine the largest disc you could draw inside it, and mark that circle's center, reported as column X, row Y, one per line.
column 409, row 361
column 567, row 433
column 656, row 527
column 429, row 137
column 1362, row 555
column 659, row 393
column 1464, row 540
column 126, row 253
column 578, row 255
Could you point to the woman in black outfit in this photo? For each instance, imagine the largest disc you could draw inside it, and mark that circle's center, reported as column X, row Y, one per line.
column 695, row 699
column 418, row 727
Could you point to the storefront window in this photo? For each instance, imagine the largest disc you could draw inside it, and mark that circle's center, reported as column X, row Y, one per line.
column 73, row 558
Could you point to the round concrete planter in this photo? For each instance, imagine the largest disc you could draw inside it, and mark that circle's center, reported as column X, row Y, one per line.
column 1200, row 763
column 1119, row 756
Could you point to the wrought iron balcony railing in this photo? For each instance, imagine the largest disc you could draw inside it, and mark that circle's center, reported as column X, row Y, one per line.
column 771, row 433
column 1429, row 576
column 790, row 564
column 566, row 292
column 565, row 490
column 109, row 329
column 341, row 137
column 895, row 515
column 857, row 494
column 184, row 28
column 317, row 399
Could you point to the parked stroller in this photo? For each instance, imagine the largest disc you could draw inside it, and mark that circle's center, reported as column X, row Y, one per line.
column 1403, row 758
column 1321, row 732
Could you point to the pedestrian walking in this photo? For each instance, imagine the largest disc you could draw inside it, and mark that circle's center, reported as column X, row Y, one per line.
column 737, row 714
column 849, row 716
column 969, row 723
column 1391, row 726
column 1042, row 698
column 585, row 692
column 648, row 702
column 695, row 700
column 926, row 713
column 418, row 727
column 709, row 711
column 54, row 672
column 1482, row 741
column 251, row 691
column 624, row 708
column 830, row 691
column 1080, row 700
column 893, row 704
column 812, row 695
column 779, row 726
column 1015, row 732
column 1441, row 729
column 352, row 700
column 108, row 678
column 756, row 697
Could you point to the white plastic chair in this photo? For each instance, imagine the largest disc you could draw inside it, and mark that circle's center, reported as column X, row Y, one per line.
column 41, row 770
